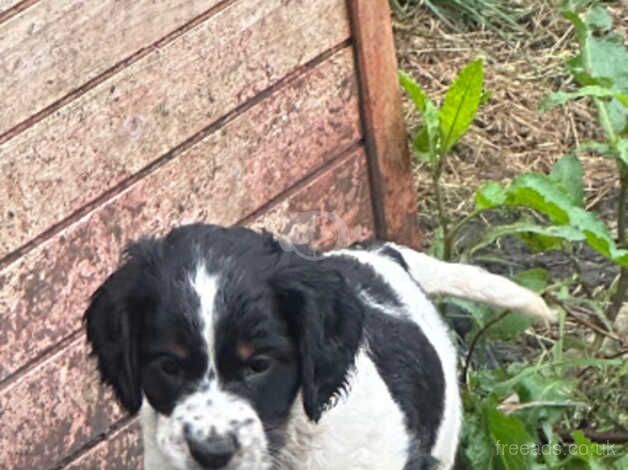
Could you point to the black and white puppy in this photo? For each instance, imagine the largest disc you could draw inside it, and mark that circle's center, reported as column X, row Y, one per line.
column 240, row 354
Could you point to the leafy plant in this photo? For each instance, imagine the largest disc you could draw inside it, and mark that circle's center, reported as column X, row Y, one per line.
column 445, row 126
column 520, row 416
column 601, row 71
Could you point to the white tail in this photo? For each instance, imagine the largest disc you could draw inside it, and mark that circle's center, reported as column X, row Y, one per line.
column 473, row 283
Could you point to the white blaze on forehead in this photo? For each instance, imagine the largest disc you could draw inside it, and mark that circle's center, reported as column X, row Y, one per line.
column 206, row 287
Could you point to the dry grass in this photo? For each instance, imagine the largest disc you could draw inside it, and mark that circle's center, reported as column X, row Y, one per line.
column 509, row 135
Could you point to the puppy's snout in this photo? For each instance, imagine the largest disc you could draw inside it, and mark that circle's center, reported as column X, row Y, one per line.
column 212, row 452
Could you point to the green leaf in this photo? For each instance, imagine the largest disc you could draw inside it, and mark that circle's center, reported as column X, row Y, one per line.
column 595, row 91
column 599, row 18
column 414, row 90
column 515, row 447
column 567, row 172
column 552, row 233
column 539, row 192
column 535, row 279
column 461, row 104
column 609, row 58
column 490, row 195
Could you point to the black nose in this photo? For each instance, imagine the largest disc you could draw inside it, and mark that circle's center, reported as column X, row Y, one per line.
column 214, row 451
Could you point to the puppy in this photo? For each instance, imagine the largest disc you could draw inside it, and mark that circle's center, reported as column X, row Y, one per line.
column 241, row 354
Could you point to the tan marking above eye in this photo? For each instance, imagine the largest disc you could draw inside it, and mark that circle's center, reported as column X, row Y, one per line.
column 245, row 351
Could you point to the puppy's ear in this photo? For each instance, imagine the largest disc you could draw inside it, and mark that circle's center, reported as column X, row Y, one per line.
column 113, row 321
column 326, row 319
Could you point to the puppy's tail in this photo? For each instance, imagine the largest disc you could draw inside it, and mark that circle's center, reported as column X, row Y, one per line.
column 473, row 283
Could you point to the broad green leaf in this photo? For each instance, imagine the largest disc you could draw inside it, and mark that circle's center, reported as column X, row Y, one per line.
column 609, row 58
column 414, row 90
column 567, row 171
column 599, row 18
column 489, row 195
column 515, row 447
column 596, row 233
column 595, row 91
column 535, row 279
column 461, row 104
column 554, row 234
column 539, row 192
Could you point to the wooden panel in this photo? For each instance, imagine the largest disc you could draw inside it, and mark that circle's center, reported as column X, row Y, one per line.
column 5, row 5
column 121, row 451
column 110, row 133
column 61, row 44
column 391, row 175
column 222, row 179
column 61, row 407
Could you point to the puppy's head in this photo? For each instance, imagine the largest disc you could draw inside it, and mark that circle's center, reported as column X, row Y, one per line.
column 213, row 332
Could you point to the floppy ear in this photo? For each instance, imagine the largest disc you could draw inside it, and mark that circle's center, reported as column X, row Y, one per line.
column 326, row 319
column 113, row 321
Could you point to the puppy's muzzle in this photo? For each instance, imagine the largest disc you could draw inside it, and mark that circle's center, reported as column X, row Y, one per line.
column 214, row 451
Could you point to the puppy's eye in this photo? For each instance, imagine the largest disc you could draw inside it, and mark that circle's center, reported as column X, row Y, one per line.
column 170, row 366
column 257, row 365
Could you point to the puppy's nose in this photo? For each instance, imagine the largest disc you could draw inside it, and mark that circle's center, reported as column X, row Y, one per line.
column 213, row 452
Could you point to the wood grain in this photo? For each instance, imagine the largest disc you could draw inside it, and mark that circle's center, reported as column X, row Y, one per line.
column 99, row 141
column 58, row 45
column 222, row 179
column 385, row 132
column 60, row 405
column 122, row 450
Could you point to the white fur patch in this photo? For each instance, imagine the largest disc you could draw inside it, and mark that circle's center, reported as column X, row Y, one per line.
column 206, row 287
column 365, row 430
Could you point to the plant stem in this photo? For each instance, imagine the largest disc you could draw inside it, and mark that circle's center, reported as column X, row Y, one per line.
column 622, row 286
column 442, row 217
column 474, row 342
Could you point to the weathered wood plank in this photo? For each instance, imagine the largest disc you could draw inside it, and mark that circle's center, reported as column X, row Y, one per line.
column 61, row 407
column 6, row 4
column 116, row 129
column 385, row 133
column 222, row 179
column 60, row 44
column 121, row 451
